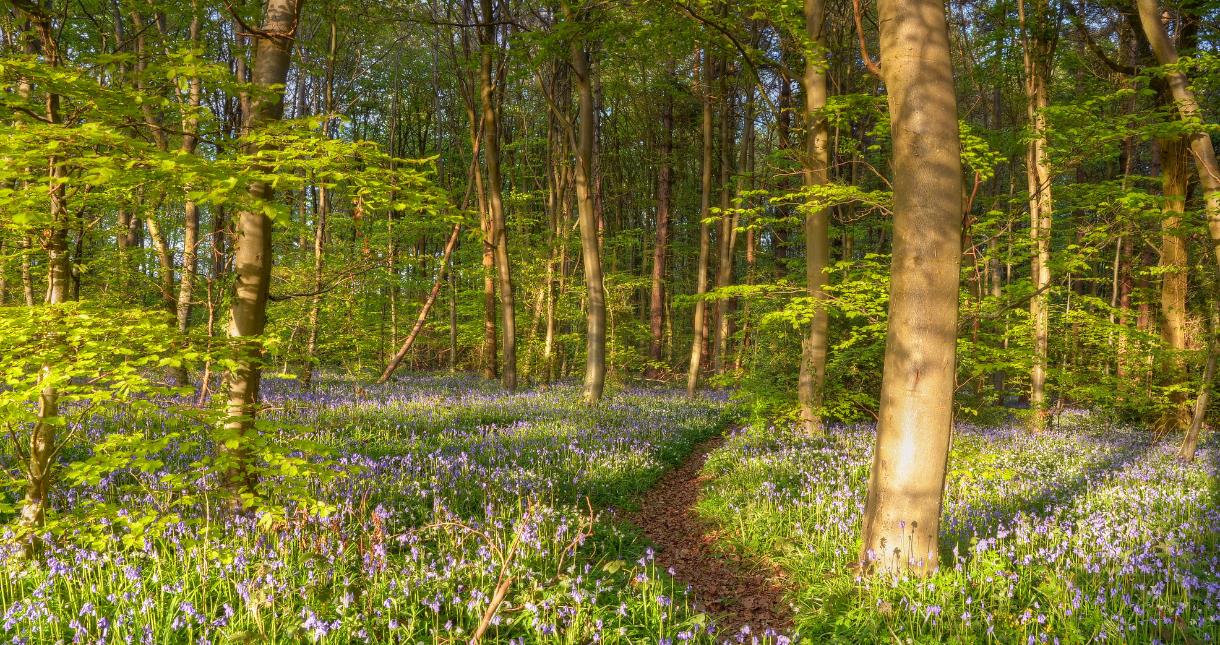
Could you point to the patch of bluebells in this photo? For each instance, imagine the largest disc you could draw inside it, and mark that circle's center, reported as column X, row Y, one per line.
column 1088, row 533
column 453, row 487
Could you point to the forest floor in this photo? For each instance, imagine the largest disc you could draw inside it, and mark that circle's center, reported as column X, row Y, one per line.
column 457, row 509
column 742, row 594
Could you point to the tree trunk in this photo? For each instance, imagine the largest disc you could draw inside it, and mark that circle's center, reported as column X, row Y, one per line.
column 1039, row 44
column 499, row 236
column 190, row 239
column 902, row 510
column 724, row 266
column 423, row 312
column 590, row 252
column 165, row 265
column 1203, row 152
column 43, row 436
column 321, row 215
column 1174, row 176
column 3, row 276
column 453, row 318
column 27, row 276
column 1190, row 442
column 817, row 225
column 656, row 299
column 700, row 324
column 315, row 301
column 252, row 257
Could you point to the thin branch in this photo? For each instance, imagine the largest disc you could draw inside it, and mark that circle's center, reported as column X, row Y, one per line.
column 872, row 67
column 1094, row 47
column 749, row 60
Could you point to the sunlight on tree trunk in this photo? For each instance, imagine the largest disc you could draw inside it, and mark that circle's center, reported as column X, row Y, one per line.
column 699, row 335
column 495, row 203
column 902, row 510
column 590, row 247
column 817, row 224
column 1038, row 26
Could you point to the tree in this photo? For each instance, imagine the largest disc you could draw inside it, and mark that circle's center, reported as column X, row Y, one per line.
column 902, row 510
column 656, row 299
column 590, row 247
column 252, row 254
column 1039, row 27
column 43, row 444
column 705, row 206
column 816, row 172
column 321, row 214
column 495, row 202
column 1204, row 155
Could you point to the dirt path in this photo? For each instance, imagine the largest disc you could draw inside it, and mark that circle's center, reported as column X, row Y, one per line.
column 736, row 592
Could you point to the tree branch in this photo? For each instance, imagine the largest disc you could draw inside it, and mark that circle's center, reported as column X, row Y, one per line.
column 872, row 67
column 1094, row 47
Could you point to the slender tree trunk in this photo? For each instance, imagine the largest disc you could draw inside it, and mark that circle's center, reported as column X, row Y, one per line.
column 252, row 256
column 27, row 276
column 1190, row 441
column 321, row 215
column 817, row 225
column 499, row 236
column 453, row 317
column 700, row 324
column 902, row 510
column 190, row 238
column 1038, row 37
column 315, row 301
column 590, row 247
column 3, row 276
column 724, row 266
column 490, row 350
column 656, row 299
column 217, row 237
column 558, row 178
column 43, row 436
column 165, row 265
column 423, row 312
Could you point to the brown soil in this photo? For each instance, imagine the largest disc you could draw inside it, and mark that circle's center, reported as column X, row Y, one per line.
column 736, row 591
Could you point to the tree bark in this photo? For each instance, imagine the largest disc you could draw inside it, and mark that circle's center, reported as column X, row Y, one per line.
column 43, row 436
column 1203, row 153
column 27, row 276
column 656, row 299
column 321, row 215
column 590, row 251
column 3, row 276
column 817, row 225
column 902, row 510
column 315, row 301
column 700, row 325
column 1038, row 37
column 724, row 266
column 165, row 264
column 1174, row 177
column 252, row 257
column 495, row 203
column 190, row 238
column 1190, row 441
